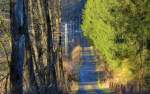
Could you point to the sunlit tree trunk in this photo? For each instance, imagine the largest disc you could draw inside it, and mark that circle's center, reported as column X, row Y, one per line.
column 31, row 32
column 61, row 76
column 41, row 41
column 57, row 57
column 31, row 50
column 18, row 46
column 51, row 77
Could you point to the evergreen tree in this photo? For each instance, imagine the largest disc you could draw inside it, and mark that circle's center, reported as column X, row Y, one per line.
column 120, row 30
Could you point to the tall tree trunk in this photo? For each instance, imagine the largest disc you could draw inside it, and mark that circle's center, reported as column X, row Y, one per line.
column 41, row 42
column 31, row 31
column 31, row 50
column 18, row 46
column 31, row 46
column 63, row 77
column 51, row 77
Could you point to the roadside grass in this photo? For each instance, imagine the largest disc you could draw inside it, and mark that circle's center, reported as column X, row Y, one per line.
column 104, row 89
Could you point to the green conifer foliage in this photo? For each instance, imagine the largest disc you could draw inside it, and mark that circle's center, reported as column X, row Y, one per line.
column 120, row 29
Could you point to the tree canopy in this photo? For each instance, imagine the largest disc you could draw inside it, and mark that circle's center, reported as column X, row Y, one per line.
column 120, row 30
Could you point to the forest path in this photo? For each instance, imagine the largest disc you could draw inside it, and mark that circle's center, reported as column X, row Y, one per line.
column 88, row 74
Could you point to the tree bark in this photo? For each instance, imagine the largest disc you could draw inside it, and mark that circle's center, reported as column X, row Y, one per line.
column 51, row 77
column 41, row 42
column 32, row 56
column 18, row 46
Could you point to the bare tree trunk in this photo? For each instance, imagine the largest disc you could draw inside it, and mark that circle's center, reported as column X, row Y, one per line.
column 51, row 77
column 64, row 77
column 31, row 32
column 31, row 50
column 18, row 46
column 41, row 43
